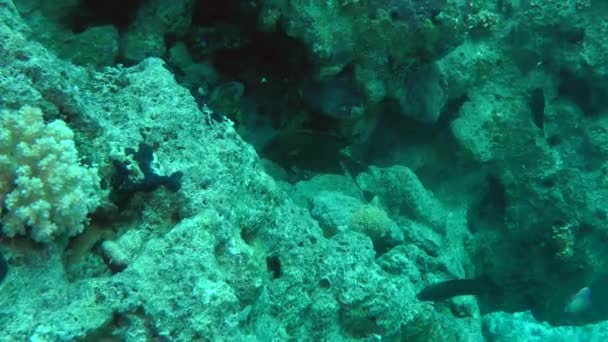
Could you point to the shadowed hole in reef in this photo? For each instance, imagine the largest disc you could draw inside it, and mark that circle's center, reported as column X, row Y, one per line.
column 273, row 264
column 90, row 13
column 584, row 92
column 279, row 110
column 489, row 212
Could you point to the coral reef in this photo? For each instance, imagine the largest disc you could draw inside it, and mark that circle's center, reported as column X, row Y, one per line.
column 281, row 170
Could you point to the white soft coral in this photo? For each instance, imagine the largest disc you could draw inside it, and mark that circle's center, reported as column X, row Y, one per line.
column 44, row 190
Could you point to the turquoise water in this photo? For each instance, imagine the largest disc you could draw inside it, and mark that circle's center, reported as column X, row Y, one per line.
column 350, row 170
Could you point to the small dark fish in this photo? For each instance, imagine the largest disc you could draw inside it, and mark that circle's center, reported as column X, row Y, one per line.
column 459, row 287
column 3, row 267
column 588, row 305
column 537, row 107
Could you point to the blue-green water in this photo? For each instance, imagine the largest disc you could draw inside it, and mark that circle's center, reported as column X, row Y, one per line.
column 274, row 170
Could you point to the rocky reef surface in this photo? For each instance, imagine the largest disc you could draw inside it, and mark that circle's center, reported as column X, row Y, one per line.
column 276, row 170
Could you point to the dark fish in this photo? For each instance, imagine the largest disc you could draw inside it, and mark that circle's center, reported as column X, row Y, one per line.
column 587, row 306
column 459, row 287
column 537, row 107
column 3, row 267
